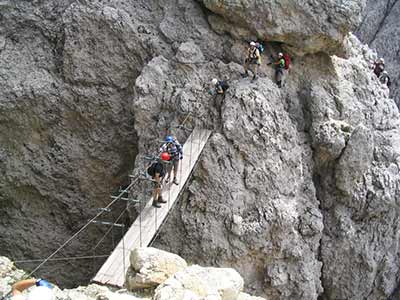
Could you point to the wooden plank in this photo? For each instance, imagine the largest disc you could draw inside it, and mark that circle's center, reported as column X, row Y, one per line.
column 113, row 270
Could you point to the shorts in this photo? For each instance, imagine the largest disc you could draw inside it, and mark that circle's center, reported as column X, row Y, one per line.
column 156, row 184
column 173, row 165
column 252, row 61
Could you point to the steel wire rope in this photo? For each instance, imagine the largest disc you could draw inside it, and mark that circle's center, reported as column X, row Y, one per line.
column 77, row 233
column 60, row 258
column 110, row 229
column 122, row 232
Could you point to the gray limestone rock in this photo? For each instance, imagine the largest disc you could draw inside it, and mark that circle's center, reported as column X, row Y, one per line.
column 307, row 26
column 189, row 53
column 297, row 188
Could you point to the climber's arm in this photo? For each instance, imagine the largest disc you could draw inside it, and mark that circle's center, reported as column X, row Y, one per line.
column 22, row 285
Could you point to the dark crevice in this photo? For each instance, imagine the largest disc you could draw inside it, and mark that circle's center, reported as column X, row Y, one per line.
column 304, row 96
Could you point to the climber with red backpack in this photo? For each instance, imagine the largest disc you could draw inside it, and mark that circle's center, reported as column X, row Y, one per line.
column 281, row 64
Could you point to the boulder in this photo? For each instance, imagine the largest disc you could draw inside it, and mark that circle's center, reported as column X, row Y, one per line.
column 151, row 267
column 330, row 139
column 355, row 160
column 198, row 283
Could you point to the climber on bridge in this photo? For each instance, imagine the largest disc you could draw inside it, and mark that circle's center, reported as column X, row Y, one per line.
column 379, row 67
column 253, row 58
column 174, row 149
column 42, row 291
column 385, row 79
column 220, row 86
column 157, row 173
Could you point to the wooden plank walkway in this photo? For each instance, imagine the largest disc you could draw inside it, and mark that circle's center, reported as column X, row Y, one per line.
column 147, row 224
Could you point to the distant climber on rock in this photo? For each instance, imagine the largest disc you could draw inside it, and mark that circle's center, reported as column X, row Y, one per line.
column 42, row 291
column 281, row 64
column 253, row 58
column 219, row 86
column 379, row 67
column 174, row 149
column 157, row 173
column 385, row 79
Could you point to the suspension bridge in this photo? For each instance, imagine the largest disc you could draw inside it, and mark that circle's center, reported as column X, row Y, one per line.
column 150, row 219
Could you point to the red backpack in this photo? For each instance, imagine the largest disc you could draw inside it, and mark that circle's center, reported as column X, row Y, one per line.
column 286, row 57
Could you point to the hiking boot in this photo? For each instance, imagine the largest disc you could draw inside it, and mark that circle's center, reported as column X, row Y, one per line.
column 254, row 78
column 155, row 204
column 246, row 74
column 175, row 181
column 161, row 200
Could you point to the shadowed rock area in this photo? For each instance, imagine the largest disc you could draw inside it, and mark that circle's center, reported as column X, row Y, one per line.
column 297, row 188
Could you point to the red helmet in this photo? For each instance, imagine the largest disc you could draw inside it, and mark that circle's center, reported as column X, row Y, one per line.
column 165, row 156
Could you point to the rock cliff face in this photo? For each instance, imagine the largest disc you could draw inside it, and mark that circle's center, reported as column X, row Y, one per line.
column 298, row 187
column 380, row 29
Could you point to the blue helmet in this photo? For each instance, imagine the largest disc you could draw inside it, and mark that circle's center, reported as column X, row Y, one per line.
column 169, row 139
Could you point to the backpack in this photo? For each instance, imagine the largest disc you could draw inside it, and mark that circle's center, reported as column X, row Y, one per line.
column 260, row 48
column 224, row 85
column 152, row 170
column 286, row 57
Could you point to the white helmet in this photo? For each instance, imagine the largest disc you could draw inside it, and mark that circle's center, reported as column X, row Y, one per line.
column 214, row 81
column 382, row 60
column 280, row 54
column 252, row 44
column 41, row 293
column 385, row 72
